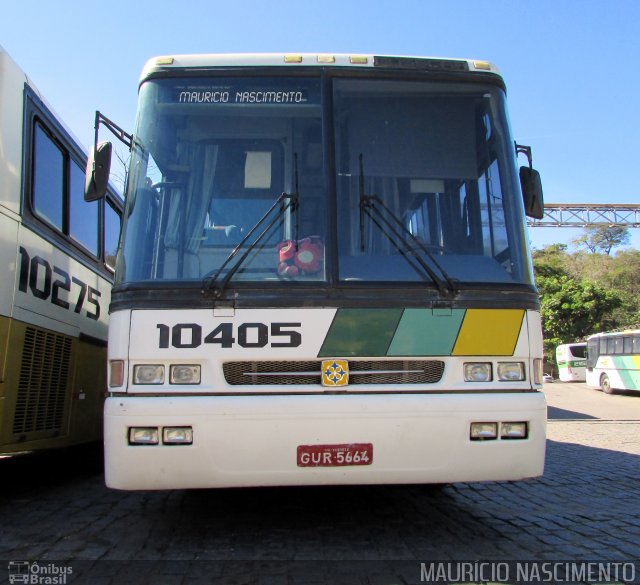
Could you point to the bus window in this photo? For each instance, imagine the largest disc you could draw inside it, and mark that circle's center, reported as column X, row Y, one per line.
column 111, row 235
column 83, row 215
column 618, row 348
column 627, row 345
column 592, row 353
column 48, row 178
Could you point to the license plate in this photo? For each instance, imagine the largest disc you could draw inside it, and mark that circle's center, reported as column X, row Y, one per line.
column 335, row 455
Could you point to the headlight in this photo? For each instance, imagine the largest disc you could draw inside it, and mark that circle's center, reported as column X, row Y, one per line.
column 151, row 374
column 477, row 372
column 510, row 371
column 184, row 375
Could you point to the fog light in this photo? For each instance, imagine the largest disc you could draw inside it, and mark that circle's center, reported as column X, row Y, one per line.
column 510, row 371
column 143, row 436
column 482, row 431
column 477, row 372
column 184, row 375
column 177, row 435
column 513, row 430
column 151, row 374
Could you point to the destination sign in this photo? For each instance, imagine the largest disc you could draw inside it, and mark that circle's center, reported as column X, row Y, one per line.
column 217, row 96
column 246, row 91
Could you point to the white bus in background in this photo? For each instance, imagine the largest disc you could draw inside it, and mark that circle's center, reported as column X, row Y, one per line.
column 323, row 278
column 613, row 361
column 57, row 255
column 572, row 359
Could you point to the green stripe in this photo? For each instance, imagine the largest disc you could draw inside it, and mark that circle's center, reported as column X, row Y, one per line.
column 361, row 332
column 628, row 371
column 427, row 332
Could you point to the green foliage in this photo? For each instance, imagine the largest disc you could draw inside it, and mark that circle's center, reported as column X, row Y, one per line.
column 583, row 293
column 573, row 309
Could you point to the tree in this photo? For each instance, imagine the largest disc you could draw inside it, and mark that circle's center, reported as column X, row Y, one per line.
column 603, row 238
column 550, row 260
column 573, row 305
column 573, row 309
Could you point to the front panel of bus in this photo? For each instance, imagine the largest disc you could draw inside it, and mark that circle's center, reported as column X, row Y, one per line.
column 323, row 278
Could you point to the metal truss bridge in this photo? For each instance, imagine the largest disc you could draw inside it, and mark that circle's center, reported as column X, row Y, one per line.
column 587, row 214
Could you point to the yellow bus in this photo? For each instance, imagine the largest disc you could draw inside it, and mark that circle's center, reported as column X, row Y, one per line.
column 57, row 256
column 323, row 278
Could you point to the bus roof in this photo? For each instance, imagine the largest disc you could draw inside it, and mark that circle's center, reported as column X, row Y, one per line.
column 406, row 63
column 611, row 333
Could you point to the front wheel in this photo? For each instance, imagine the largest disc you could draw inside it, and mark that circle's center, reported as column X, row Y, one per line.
column 605, row 384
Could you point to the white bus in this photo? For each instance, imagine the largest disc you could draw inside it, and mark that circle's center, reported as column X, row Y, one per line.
column 613, row 361
column 57, row 254
column 323, row 277
column 571, row 359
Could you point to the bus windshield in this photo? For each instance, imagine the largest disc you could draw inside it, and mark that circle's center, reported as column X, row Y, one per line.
column 385, row 180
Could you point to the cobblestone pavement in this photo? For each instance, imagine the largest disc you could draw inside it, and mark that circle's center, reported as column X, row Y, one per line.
column 55, row 509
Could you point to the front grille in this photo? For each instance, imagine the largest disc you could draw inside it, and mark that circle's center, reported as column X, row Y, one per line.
column 283, row 373
column 42, row 387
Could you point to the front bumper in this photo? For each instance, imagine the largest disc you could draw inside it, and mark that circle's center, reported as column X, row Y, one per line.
column 252, row 440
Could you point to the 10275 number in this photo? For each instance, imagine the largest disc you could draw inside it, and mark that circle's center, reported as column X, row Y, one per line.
column 53, row 283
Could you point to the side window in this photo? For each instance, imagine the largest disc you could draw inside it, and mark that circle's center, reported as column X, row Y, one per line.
column 494, row 232
column 593, row 349
column 57, row 188
column 611, row 346
column 48, row 178
column 83, row 215
column 618, row 346
column 111, row 235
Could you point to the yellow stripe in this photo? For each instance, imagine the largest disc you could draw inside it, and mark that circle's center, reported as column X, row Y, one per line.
column 489, row 332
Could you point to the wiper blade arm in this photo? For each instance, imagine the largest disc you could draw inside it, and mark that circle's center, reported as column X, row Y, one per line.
column 291, row 203
column 394, row 230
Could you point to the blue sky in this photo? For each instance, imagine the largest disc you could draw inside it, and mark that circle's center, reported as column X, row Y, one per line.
column 571, row 66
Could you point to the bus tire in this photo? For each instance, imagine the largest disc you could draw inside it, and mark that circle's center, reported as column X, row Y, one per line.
column 605, row 384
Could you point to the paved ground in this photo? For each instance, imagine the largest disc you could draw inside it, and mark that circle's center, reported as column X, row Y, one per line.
column 577, row 401
column 54, row 509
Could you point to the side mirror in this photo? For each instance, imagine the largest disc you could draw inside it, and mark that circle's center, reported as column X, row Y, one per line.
column 532, row 192
column 97, row 173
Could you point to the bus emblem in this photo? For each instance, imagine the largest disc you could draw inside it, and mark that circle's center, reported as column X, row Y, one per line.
column 335, row 372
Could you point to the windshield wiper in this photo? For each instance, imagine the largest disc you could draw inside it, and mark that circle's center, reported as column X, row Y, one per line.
column 394, row 230
column 286, row 201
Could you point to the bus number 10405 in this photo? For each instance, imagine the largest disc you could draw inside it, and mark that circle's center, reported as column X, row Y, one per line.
column 226, row 335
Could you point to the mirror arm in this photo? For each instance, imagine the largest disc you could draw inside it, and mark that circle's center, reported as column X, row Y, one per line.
column 119, row 133
column 526, row 150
